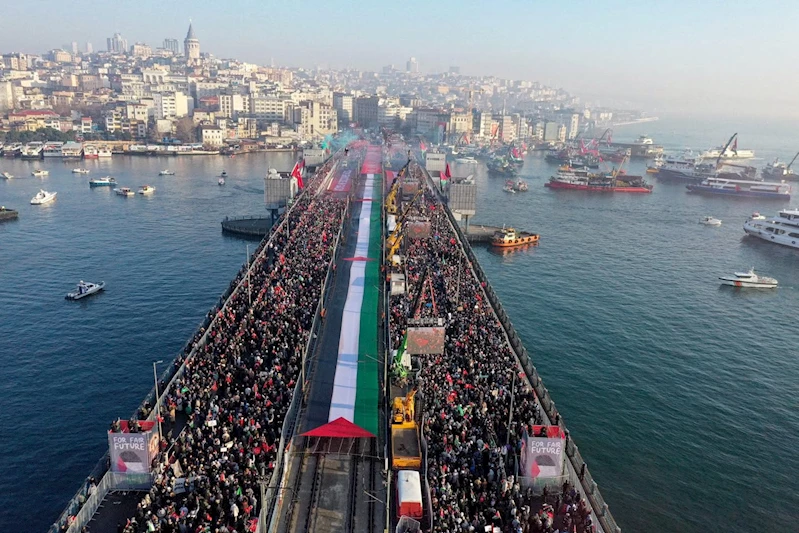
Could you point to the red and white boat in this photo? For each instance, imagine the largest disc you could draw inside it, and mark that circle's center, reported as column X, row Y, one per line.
column 90, row 151
column 583, row 180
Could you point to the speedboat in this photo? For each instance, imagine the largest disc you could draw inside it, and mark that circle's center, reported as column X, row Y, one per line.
column 43, row 197
column 80, row 170
column 102, row 182
column 124, row 191
column 146, row 189
column 6, row 175
column 508, row 188
column 85, row 289
column 40, row 173
column 710, row 221
column 167, row 173
column 223, row 174
column 749, row 280
column 221, row 181
column 757, row 216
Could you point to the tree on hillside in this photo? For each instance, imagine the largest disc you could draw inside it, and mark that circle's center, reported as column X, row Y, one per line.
column 185, row 130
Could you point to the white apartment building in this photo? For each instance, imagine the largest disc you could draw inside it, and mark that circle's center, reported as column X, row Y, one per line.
column 172, row 105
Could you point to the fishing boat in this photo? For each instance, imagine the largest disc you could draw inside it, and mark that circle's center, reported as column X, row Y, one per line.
column 509, row 237
column 521, row 186
column 167, row 173
column 124, row 191
column 6, row 175
column 742, row 188
column 509, row 189
column 40, row 173
column 85, row 289
column 220, row 181
column 80, row 171
column 749, row 280
column 102, row 182
column 782, row 229
column 43, row 197
column 146, row 189
column 8, row 214
column 500, row 167
column 710, row 221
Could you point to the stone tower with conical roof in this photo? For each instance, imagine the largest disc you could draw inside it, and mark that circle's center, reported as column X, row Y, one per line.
column 191, row 46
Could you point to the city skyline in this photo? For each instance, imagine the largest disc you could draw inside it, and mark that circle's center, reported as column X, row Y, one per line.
column 696, row 59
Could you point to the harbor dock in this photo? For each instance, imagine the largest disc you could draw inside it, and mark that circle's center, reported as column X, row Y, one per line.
column 252, row 226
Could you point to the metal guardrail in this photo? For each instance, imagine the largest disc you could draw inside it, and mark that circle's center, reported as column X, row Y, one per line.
column 590, row 488
column 100, row 471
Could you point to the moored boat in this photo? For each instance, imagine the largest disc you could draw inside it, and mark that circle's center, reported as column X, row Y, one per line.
column 85, row 289
column 749, row 280
column 509, row 237
column 90, row 151
column 599, row 183
column 8, row 214
column 43, row 197
column 782, row 229
column 742, row 188
column 124, row 191
column 102, row 182
column 780, row 171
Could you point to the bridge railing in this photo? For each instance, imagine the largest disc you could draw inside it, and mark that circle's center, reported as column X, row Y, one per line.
column 590, row 488
column 166, row 381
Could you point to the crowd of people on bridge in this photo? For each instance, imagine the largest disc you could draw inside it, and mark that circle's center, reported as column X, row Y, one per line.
column 238, row 385
column 473, row 442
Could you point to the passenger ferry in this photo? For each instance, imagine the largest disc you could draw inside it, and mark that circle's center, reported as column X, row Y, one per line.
column 742, row 188
column 12, row 150
column 509, row 237
column 53, row 149
column 681, row 168
column 72, row 150
column 90, row 151
column 32, row 150
column 782, row 229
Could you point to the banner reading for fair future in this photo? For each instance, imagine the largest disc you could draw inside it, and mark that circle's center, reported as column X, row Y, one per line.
column 132, row 452
column 542, row 452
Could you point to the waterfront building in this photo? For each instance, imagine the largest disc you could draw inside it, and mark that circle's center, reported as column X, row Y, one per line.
column 191, row 47
column 212, row 135
column 172, row 104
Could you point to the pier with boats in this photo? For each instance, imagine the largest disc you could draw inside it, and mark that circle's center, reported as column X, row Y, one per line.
column 333, row 450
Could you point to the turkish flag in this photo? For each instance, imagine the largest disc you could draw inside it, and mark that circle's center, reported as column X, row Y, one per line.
column 296, row 172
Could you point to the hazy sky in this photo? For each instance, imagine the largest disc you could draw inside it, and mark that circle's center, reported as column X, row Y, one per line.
column 704, row 57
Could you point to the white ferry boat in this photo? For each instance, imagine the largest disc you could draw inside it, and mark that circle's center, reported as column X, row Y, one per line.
column 742, row 188
column 782, row 229
column 32, row 150
column 53, row 149
column 683, row 168
column 90, row 151
column 730, row 154
column 12, row 150
column 72, row 150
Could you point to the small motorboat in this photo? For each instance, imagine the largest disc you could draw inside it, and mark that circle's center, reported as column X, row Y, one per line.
column 710, row 221
column 7, row 213
column 223, row 174
column 167, row 173
column 508, row 188
column 521, row 186
column 43, row 197
column 146, row 189
column 40, row 173
column 85, row 289
column 102, row 182
column 749, row 280
column 757, row 216
column 6, row 175
column 124, row 191
column 80, row 171
column 221, row 181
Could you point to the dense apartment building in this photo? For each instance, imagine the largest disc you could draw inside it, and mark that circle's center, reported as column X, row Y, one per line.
column 366, row 111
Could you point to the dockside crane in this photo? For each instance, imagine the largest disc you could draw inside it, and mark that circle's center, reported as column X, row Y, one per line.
column 395, row 239
column 723, row 150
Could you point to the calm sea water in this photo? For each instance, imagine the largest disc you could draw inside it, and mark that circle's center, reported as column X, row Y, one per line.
column 680, row 394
